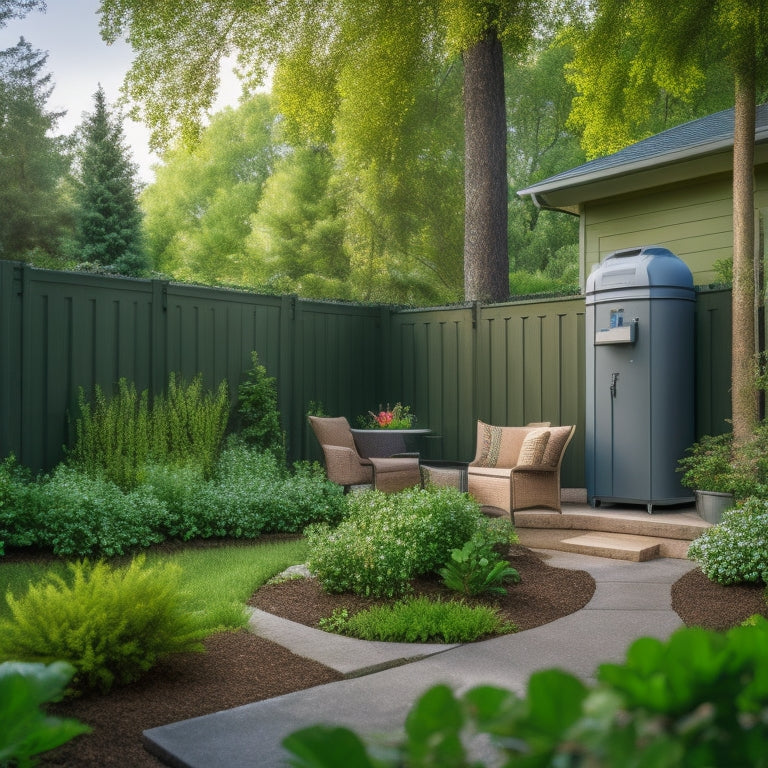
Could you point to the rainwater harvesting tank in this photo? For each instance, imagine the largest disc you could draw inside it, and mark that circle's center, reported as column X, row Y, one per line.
column 640, row 377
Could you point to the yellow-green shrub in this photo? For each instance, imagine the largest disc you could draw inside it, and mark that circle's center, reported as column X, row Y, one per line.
column 111, row 624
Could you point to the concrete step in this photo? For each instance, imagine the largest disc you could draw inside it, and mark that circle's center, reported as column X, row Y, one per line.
column 618, row 546
column 669, row 533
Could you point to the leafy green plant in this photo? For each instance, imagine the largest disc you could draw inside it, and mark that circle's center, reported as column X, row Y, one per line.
column 336, row 623
column 697, row 699
column 111, row 624
column 387, row 539
column 257, row 408
column 475, row 569
column 118, row 437
column 189, row 422
column 18, row 519
column 27, row 729
column 420, row 620
column 82, row 515
column 736, row 549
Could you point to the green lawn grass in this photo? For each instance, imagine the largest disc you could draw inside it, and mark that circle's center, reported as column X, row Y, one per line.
column 219, row 579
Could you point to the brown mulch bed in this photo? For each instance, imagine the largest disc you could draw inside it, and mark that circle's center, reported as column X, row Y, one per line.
column 239, row 668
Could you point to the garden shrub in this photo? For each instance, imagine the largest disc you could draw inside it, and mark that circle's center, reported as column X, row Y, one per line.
column 736, row 549
column 81, row 515
column 388, row 539
column 475, row 569
column 250, row 494
column 697, row 699
column 111, row 624
column 259, row 418
column 18, row 518
column 119, row 436
column 27, row 729
column 420, row 620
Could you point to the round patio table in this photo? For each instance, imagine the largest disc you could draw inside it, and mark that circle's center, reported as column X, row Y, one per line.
column 380, row 443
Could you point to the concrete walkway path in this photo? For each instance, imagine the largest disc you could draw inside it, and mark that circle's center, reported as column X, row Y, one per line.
column 632, row 600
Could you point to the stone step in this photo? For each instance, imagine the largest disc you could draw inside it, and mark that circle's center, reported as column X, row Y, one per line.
column 683, row 525
column 618, row 546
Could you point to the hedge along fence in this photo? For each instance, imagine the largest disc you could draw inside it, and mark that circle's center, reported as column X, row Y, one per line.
column 505, row 363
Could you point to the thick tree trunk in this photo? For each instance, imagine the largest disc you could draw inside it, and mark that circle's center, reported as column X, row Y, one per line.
column 486, row 259
column 744, row 402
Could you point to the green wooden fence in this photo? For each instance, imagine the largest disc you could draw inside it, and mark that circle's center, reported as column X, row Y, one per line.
column 506, row 364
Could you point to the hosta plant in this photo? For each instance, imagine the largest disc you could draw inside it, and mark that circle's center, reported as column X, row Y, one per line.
column 475, row 569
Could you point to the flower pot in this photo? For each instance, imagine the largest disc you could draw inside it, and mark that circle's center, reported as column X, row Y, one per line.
column 710, row 505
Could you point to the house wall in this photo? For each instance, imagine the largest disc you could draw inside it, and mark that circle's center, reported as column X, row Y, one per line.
column 693, row 219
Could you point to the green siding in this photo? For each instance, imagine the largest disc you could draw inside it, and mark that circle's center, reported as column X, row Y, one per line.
column 693, row 220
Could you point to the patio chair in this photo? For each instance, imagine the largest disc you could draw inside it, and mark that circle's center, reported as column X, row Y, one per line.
column 518, row 467
column 345, row 466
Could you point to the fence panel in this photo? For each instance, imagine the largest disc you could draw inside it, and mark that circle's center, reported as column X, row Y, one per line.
column 505, row 364
column 433, row 356
column 530, row 367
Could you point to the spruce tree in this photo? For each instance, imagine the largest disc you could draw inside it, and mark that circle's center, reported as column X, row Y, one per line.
column 34, row 215
column 109, row 228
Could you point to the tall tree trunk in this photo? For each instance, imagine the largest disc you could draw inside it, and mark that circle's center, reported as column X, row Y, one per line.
column 744, row 402
column 486, row 259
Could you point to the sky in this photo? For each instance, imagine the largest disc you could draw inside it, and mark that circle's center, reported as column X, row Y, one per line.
column 79, row 60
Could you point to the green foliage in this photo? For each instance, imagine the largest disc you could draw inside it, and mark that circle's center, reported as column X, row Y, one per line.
column 420, row 620
column 109, row 231
column 388, row 539
column 81, row 515
column 189, row 422
column 198, row 211
column 111, row 624
column 33, row 164
column 640, row 69
column 119, row 437
column 297, row 242
column 476, row 569
column 259, row 416
column 697, row 699
column 27, row 729
column 250, row 494
column 736, row 549
column 713, row 463
column 18, row 521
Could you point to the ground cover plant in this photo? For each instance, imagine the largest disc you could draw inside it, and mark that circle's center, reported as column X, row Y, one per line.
column 736, row 549
column 421, row 620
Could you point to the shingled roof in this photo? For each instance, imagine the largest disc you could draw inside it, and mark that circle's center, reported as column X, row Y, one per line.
column 706, row 136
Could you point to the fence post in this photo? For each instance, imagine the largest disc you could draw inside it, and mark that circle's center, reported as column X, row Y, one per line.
column 159, row 336
column 288, row 378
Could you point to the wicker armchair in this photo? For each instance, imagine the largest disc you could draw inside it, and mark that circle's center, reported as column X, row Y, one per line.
column 345, row 466
column 518, row 467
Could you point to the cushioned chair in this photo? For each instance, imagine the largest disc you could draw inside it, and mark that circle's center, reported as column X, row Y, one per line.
column 518, row 467
column 345, row 466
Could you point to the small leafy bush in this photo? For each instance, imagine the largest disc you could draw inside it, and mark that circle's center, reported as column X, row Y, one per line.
column 697, row 699
column 111, row 624
column 475, row 569
column 259, row 416
column 388, row 539
column 736, row 549
column 251, row 493
column 81, row 515
column 18, row 518
column 420, row 620
column 27, row 729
